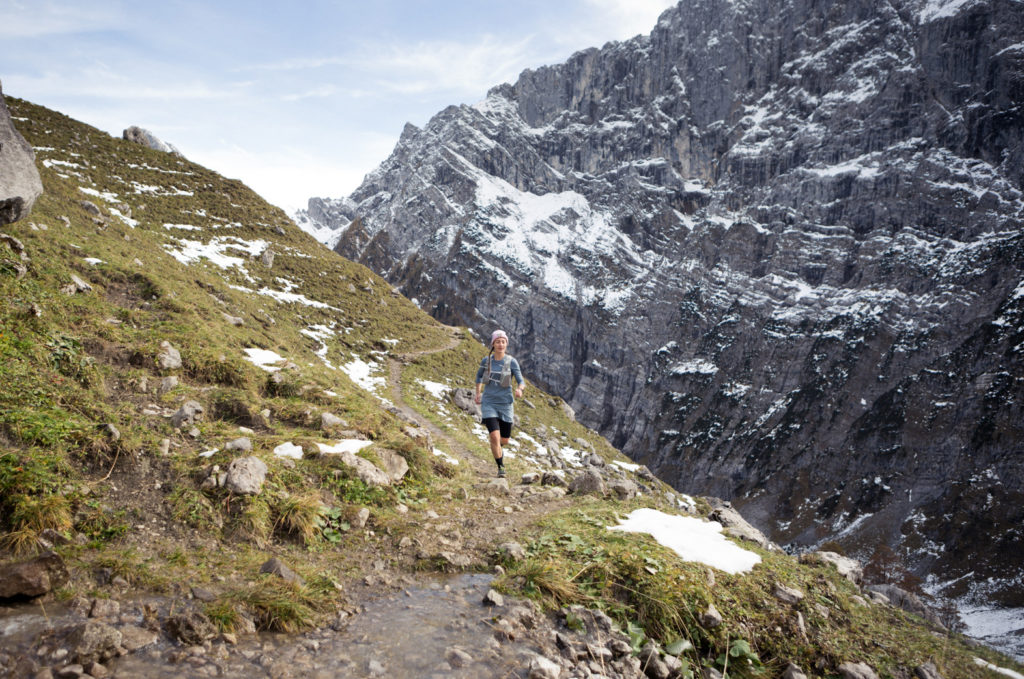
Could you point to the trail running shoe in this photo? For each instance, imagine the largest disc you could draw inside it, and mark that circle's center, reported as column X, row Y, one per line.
column 501, row 472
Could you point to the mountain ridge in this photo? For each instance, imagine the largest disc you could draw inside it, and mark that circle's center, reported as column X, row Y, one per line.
column 764, row 247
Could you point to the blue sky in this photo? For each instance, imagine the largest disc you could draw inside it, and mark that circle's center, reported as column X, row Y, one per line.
column 295, row 99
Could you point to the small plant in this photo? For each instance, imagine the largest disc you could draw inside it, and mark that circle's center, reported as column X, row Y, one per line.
column 742, row 660
column 332, row 524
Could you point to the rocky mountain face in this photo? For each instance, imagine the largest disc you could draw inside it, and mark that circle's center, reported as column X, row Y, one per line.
column 773, row 250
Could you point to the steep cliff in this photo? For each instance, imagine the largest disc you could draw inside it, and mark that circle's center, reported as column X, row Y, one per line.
column 773, row 250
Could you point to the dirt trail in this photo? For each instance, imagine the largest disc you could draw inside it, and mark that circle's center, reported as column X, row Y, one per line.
column 457, row 449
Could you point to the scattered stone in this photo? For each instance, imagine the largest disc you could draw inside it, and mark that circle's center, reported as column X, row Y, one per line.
column 267, row 258
column 542, row 668
column 850, row 569
column 512, row 550
column 104, row 608
column 242, row 445
column 168, row 383
column 651, row 663
column 927, row 671
column 362, row 516
column 493, row 598
column 34, row 577
column 550, row 478
column 133, row 638
column 329, row 421
column 793, row 672
column 188, row 414
column 787, row 595
column 233, row 320
column 169, row 358
column 112, row 432
column 75, row 286
column 908, row 601
column 277, row 567
column 624, row 489
column 736, row 525
column 858, row 670
column 191, row 627
column 70, row 672
column 94, row 641
column 246, row 475
column 589, row 481
column 711, row 618
column 203, row 594
column 530, row 478
column 457, row 657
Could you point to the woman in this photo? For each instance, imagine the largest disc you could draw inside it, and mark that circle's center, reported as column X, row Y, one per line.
column 494, row 394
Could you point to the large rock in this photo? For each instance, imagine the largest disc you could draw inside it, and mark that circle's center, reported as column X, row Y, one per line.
column 94, row 641
column 851, row 569
column 139, row 135
column 246, row 475
column 734, row 524
column 20, row 184
column 32, row 578
column 393, row 467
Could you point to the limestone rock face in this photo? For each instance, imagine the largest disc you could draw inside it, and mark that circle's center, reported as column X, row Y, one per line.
column 20, row 184
column 144, row 137
column 771, row 250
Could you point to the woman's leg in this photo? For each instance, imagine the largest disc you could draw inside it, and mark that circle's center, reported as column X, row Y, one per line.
column 496, row 443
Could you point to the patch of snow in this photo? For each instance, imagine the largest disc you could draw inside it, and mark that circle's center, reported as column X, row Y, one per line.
column 628, row 466
column 361, row 372
column 691, row 538
column 264, row 358
column 343, row 446
column 943, row 9
column 999, row 670
column 105, row 195
column 94, row 261
column 208, row 453
column 288, row 449
column 447, row 458
column 436, row 389
column 697, row 366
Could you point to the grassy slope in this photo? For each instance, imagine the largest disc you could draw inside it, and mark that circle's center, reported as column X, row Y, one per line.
column 71, row 363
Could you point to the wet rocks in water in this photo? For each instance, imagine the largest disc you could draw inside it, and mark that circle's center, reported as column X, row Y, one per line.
column 191, row 627
column 94, row 641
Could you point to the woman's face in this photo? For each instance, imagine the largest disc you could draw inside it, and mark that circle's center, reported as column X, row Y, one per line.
column 500, row 344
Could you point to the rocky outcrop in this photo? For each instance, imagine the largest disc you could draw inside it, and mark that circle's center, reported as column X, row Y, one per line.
column 772, row 252
column 20, row 184
column 146, row 138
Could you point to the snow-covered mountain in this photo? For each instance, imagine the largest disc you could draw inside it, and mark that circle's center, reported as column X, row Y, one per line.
column 773, row 250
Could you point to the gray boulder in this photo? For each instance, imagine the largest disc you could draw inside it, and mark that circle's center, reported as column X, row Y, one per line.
column 246, row 476
column 139, row 135
column 279, row 568
column 908, row 601
column 187, row 415
column 589, row 481
column 847, row 567
column 94, row 641
column 734, row 524
column 856, row 670
column 20, row 184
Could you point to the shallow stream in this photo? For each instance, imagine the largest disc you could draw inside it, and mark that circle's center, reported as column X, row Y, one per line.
column 440, row 629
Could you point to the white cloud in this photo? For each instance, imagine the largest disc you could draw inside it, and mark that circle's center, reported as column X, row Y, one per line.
column 46, row 18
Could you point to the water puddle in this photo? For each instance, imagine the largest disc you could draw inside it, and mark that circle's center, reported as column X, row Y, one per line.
column 440, row 629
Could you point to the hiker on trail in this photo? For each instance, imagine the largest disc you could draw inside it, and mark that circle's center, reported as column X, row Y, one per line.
column 494, row 394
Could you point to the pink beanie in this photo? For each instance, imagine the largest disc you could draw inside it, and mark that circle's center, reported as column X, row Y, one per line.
column 496, row 334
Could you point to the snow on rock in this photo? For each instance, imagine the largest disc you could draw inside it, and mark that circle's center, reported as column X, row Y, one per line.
column 691, row 538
